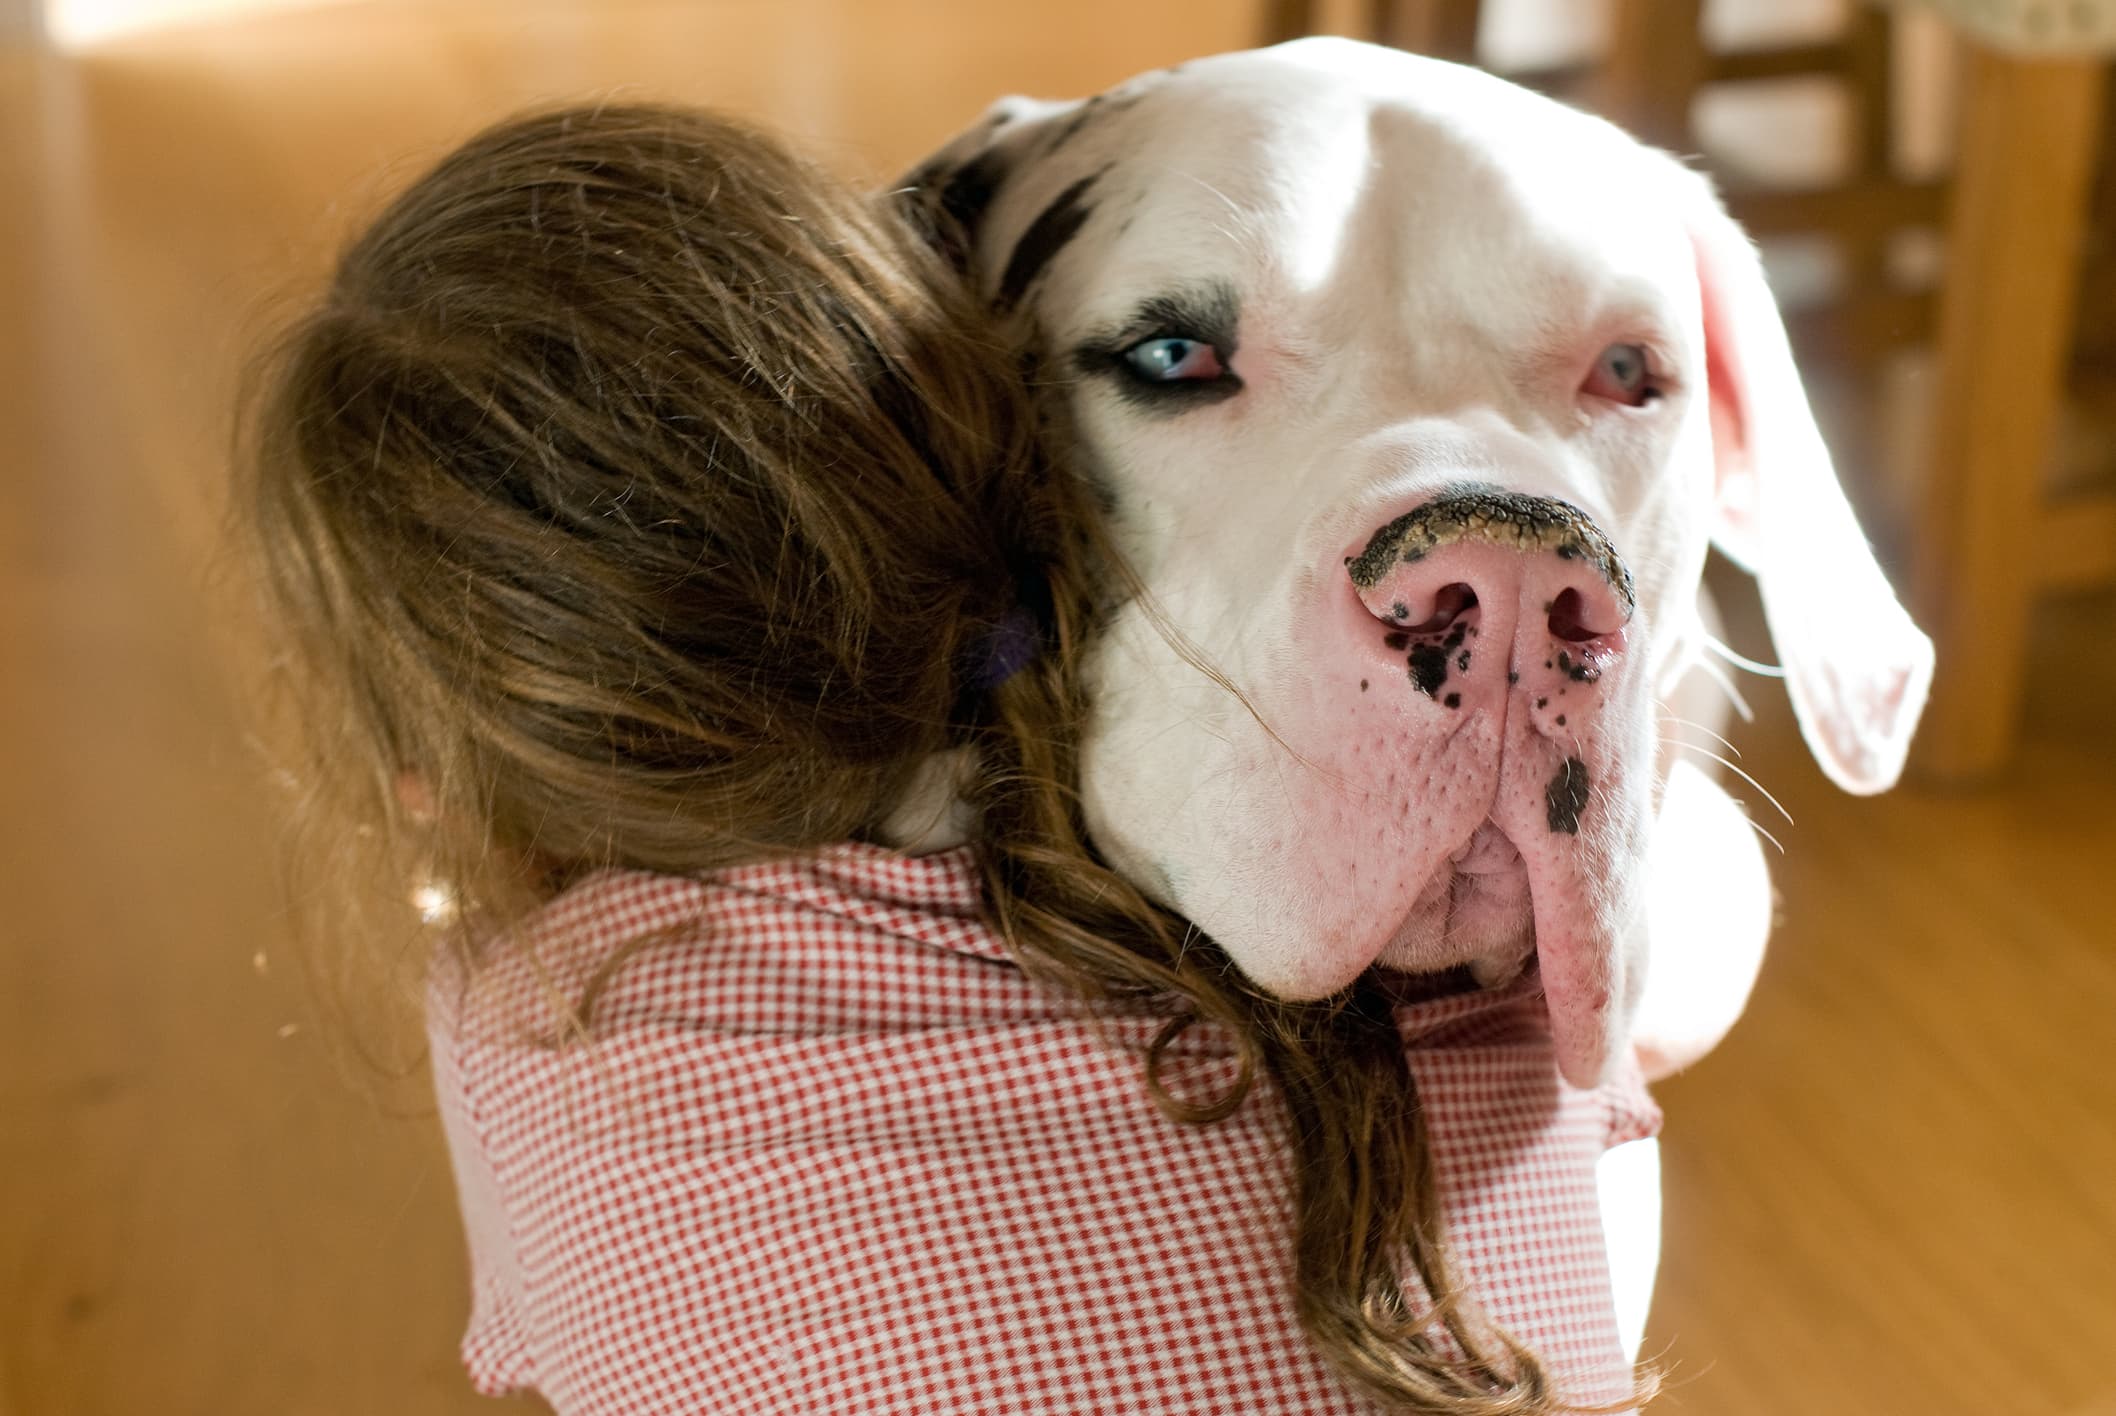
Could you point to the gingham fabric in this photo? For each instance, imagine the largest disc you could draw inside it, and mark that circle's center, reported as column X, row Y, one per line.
column 827, row 1150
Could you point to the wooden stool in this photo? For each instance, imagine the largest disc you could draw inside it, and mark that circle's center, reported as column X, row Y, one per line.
column 1989, row 543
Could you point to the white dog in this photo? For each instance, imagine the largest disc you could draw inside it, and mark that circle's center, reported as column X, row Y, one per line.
column 1417, row 398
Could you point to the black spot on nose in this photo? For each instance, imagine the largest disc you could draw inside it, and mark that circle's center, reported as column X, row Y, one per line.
column 1428, row 668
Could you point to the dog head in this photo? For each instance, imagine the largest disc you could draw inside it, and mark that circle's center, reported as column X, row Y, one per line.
column 1415, row 398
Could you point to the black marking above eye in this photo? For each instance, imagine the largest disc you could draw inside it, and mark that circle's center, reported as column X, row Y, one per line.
column 1054, row 227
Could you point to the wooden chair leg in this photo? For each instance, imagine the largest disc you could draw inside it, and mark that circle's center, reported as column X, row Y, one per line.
column 1288, row 19
column 2029, row 131
column 1653, row 70
column 1445, row 29
column 1869, row 72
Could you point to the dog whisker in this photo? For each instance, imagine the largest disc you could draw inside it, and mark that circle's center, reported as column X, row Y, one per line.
column 1244, row 233
column 1719, row 676
column 1186, row 649
column 1737, row 771
column 1667, row 717
column 1741, row 661
column 1753, row 826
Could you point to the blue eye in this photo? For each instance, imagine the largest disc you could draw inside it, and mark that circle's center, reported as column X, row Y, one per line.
column 1174, row 359
column 1623, row 374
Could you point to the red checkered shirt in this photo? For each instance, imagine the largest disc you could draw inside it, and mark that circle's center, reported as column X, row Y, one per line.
column 828, row 1150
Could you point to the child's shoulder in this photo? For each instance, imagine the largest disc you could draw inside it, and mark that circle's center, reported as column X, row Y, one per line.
column 848, row 936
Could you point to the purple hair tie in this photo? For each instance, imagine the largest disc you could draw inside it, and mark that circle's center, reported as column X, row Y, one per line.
column 1006, row 649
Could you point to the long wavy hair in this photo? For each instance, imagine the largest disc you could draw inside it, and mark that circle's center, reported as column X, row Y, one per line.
column 639, row 495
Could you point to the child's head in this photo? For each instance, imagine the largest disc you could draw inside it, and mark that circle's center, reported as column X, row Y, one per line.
column 637, row 494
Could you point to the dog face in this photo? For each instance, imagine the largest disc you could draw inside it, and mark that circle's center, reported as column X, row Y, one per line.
column 1416, row 399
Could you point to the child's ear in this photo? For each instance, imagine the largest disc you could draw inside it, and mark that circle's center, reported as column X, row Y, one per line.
column 414, row 797
column 1857, row 668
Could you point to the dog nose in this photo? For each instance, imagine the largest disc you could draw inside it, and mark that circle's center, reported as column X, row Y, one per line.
column 1477, row 571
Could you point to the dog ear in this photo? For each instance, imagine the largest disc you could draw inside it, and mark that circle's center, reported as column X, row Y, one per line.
column 1857, row 668
column 946, row 196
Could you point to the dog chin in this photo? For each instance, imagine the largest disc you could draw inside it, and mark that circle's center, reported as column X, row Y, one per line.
column 1476, row 912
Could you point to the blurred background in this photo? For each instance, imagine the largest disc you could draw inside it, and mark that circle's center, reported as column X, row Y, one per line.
column 1892, row 1190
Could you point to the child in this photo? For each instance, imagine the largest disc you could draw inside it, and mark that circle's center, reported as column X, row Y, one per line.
column 673, row 587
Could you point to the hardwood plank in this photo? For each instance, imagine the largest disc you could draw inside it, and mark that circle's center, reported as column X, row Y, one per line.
column 1900, row 1152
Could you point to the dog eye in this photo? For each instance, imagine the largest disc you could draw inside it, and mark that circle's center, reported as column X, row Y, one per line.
column 1623, row 374
column 1174, row 359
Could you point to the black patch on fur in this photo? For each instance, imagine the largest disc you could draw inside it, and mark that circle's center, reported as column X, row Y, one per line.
column 1566, row 797
column 1070, row 129
column 1054, row 227
column 1102, row 105
column 970, row 188
column 950, row 205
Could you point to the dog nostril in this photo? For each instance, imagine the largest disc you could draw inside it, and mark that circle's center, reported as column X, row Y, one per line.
column 1569, row 619
column 1450, row 603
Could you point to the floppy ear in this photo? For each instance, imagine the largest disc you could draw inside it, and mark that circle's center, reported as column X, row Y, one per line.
column 946, row 195
column 1857, row 668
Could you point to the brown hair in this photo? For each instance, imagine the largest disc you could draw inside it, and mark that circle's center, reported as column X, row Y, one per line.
column 639, row 495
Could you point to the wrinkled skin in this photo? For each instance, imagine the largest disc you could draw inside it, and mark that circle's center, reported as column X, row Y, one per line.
column 1391, row 285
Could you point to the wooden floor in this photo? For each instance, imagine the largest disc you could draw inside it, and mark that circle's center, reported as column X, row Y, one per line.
column 1894, row 1189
